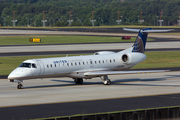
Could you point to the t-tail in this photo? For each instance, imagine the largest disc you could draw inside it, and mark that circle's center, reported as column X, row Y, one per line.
column 140, row 43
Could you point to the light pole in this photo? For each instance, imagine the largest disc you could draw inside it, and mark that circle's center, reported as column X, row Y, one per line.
column 70, row 21
column 59, row 19
column 113, row 22
column 44, row 21
column 121, row 19
column 101, row 20
column 157, row 20
column 27, row 22
column 50, row 21
column 5, row 20
column 79, row 20
column 53, row 21
column 31, row 20
column 92, row 18
column 118, row 21
column 14, row 21
column 154, row 21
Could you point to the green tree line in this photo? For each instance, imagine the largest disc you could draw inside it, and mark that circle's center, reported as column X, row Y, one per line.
column 29, row 12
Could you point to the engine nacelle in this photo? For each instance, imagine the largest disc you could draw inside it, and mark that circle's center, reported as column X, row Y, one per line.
column 103, row 52
column 133, row 58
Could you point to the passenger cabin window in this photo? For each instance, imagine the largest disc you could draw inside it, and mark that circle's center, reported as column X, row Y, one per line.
column 110, row 61
column 95, row 62
column 79, row 63
column 26, row 65
column 34, row 65
column 71, row 64
column 47, row 66
column 114, row 60
column 99, row 61
column 51, row 65
column 55, row 65
column 103, row 61
column 83, row 63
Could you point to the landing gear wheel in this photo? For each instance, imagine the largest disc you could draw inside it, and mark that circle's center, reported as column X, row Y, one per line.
column 78, row 80
column 107, row 82
column 20, row 86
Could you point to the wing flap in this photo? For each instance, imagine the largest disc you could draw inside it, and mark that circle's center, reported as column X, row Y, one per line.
column 100, row 73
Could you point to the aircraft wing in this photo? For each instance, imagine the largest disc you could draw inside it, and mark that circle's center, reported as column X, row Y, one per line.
column 100, row 73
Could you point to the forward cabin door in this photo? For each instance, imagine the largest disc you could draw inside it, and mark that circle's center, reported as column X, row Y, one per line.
column 42, row 68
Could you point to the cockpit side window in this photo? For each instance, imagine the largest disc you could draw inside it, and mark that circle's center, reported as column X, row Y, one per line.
column 34, row 65
column 26, row 65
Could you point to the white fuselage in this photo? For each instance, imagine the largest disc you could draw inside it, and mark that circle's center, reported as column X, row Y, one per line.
column 76, row 66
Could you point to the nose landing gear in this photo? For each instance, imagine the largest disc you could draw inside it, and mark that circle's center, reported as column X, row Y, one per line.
column 20, row 83
column 19, row 86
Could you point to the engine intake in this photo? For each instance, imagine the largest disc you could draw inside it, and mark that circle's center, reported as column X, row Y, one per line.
column 125, row 58
column 133, row 58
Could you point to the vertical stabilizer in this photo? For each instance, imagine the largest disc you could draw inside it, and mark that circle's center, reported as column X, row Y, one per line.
column 140, row 43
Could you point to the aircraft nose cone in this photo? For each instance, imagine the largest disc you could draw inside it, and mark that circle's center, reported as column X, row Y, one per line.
column 14, row 74
column 11, row 75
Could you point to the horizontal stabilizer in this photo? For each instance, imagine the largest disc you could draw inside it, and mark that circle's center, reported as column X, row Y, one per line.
column 100, row 73
column 132, row 30
column 146, row 30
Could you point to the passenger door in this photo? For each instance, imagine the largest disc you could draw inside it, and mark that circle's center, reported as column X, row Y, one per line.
column 42, row 68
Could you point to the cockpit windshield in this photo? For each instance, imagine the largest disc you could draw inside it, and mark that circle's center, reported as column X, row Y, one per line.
column 27, row 65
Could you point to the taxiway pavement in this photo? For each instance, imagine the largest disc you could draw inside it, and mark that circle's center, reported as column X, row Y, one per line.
column 86, row 47
column 55, row 90
column 61, row 96
column 90, row 33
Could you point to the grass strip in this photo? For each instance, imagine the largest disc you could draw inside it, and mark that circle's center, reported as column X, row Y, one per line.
column 60, row 39
column 160, row 60
column 154, row 60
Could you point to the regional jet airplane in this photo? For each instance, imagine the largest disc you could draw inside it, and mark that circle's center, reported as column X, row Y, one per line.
column 101, row 64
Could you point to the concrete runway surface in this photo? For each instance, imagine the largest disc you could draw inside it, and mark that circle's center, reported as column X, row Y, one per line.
column 45, row 32
column 57, row 90
column 83, row 47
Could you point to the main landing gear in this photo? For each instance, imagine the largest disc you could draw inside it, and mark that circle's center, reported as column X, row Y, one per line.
column 106, row 80
column 78, row 80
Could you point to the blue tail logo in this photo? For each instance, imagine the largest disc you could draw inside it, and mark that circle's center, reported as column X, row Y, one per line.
column 140, row 43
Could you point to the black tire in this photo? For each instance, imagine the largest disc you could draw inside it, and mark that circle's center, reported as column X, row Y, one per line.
column 80, row 81
column 109, row 82
column 20, row 86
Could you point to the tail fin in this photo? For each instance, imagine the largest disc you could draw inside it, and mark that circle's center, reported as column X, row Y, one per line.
column 140, row 43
